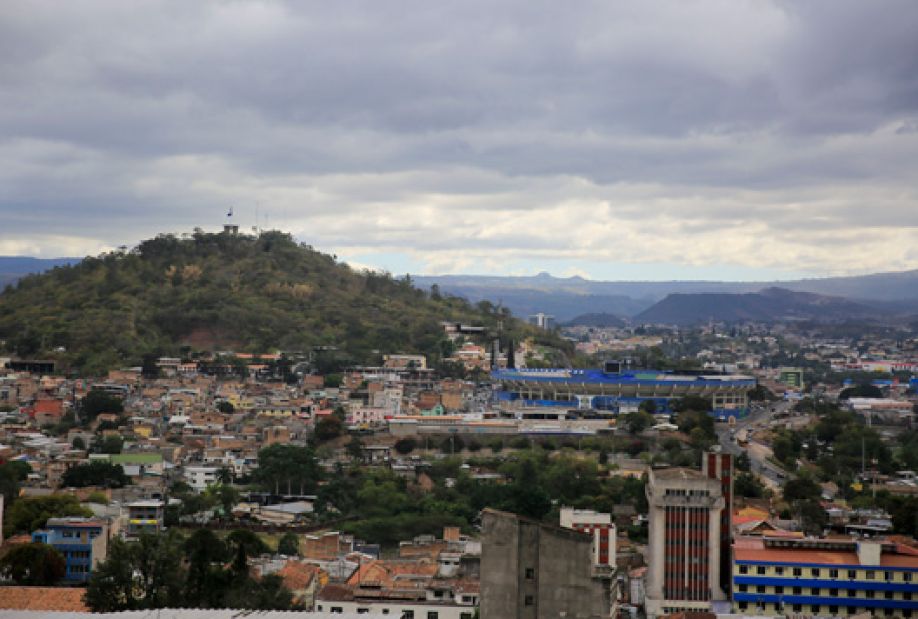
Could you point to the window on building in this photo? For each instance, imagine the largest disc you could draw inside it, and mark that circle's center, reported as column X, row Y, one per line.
column 888, row 595
column 907, row 595
column 760, row 589
column 870, row 574
column 743, row 569
column 888, row 576
column 779, row 590
column 852, row 574
column 798, row 608
column 742, row 605
column 833, row 610
column 870, row 594
column 798, row 571
column 833, row 573
column 741, row 588
column 779, row 571
column 907, row 576
column 814, row 590
column 530, row 573
column 432, row 614
column 798, row 590
column 814, row 608
column 407, row 614
column 528, row 600
column 833, row 593
column 760, row 569
column 465, row 615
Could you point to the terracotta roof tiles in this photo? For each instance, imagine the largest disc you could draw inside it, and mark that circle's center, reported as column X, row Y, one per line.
column 43, row 598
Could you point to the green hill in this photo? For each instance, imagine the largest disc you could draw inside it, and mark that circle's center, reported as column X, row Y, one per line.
column 203, row 292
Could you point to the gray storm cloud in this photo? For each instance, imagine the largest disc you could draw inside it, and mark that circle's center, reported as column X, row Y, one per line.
column 750, row 133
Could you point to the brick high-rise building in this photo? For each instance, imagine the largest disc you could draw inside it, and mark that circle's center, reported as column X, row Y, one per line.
column 684, row 563
column 596, row 524
column 719, row 466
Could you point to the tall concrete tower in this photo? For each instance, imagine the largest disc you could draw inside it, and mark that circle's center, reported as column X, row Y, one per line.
column 684, row 569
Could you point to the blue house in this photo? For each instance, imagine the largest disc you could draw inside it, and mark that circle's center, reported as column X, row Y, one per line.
column 82, row 541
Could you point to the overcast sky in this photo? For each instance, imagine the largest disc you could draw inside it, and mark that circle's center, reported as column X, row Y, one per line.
column 615, row 140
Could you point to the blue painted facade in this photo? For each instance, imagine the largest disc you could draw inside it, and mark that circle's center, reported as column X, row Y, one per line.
column 78, row 542
column 776, row 588
column 615, row 392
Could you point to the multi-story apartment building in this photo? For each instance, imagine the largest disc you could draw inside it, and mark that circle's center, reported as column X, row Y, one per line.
column 684, row 541
column 828, row 577
column 199, row 477
column 145, row 517
column 83, row 543
column 597, row 524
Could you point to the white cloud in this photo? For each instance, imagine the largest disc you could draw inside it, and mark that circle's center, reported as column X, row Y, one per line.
column 470, row 136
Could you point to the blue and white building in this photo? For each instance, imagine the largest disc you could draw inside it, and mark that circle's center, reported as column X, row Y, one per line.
column 618, row 390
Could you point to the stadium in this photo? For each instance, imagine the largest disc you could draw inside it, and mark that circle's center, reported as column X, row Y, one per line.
column 617, row 390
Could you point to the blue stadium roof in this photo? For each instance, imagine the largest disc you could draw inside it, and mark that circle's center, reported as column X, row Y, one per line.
column 635, row 377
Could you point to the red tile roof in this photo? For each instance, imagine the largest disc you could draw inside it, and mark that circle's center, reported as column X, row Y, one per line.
column 49, row 407
column 297, row 576
column 745, row 549
column 43, row 598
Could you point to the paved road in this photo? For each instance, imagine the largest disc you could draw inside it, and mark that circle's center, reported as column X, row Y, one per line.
column 760, row 417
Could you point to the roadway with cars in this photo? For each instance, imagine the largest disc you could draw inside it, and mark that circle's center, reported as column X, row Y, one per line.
column 760, row 417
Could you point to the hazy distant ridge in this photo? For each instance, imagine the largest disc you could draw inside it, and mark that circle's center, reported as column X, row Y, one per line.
column 567, row 298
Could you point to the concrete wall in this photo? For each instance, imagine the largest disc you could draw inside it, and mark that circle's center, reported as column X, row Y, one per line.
column 535, row 571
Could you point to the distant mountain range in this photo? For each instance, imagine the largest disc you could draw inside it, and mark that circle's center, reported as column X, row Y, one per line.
column 771, row 304
column 14, row 267
column 880, row 296
column 682, row 302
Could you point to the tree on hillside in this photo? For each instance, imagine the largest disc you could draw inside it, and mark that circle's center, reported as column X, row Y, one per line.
column 34, row 565
column 11, row 474
column 109, row 445
column 287, row 467
column 637, row 422
column 97, row 402
column 95, row 473
column 289, row 545
column 205, row 554
column 860, row 391
column 328, row 428
column 30, row 513
column 405, row 446
column 692, row 403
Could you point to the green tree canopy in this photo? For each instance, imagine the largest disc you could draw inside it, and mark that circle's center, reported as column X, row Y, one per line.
column 35, row 565
column 31, row 513
column 95, row 473
column 289, row 545
column 283, row 467
column 97, row 402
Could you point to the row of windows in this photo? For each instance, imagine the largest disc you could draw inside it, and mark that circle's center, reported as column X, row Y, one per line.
column 681, row 492
column 832, row 573
column 818, row 608
column 851, row 593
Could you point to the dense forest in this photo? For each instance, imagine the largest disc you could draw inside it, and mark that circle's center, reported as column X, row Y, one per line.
column 203, row 291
